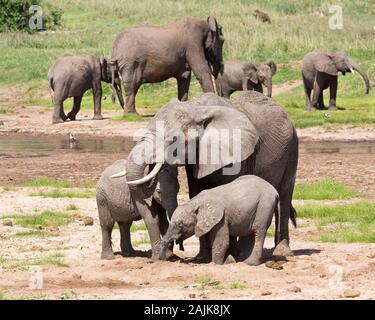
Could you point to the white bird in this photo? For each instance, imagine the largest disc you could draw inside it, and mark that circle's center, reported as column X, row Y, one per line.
column 72, row 139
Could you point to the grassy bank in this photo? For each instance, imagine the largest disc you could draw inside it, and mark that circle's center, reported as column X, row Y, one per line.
column 297, row 27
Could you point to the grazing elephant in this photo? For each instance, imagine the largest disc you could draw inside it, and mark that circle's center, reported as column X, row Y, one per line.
column 244, row 207
column 150, row 54
column 72, row 76
column 319, row 71
column 249, row 75
column 115, row 204
column 269, row 148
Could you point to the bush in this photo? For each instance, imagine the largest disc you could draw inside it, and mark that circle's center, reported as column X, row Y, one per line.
column 14, row 15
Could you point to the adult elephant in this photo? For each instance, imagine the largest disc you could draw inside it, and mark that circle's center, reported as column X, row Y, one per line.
column 150, row 54
column 268, row 148
column 320, row 70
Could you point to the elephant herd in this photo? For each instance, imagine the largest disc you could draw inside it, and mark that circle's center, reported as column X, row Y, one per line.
column 229, row 212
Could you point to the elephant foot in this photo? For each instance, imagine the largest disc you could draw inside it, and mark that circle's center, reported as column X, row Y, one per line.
column 131, row 112
column 323, row 108
column 107, row 255
column 310, row 109
column 128, row 253
column 58, row 120
column 332, row 108
column 283, row 249
column 98, row 117
column 71, row 116
column 253, row 261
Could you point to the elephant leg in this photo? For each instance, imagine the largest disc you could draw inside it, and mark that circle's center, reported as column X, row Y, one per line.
column 332, row 94
column 97, row 93
column 259, row 88
column 199, row 65
column 257, row 252
column 151, row 220
column 132, row 82
column 307, row 90
column 321, row 101
column 76, row 106
column 205, row 250
column 183, row 85
column 219, row 242
column 125, row 244
column 234, row 249
column 106, row 225
column 58, row 110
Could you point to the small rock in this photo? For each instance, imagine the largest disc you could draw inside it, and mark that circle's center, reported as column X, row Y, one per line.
column 266, row 293
column 230, row 259
column 372, row 255
column 339, row 162
column 351, row 257
column 88, row 221
column 39, row 227
column 1, row 123
column 192, row 295
column 8, row 223
column 295, row 289
column 53, row 229
column 77, row 276
column 274, row 265
column 351, row 293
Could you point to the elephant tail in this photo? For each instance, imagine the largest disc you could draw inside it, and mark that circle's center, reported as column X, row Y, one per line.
column 293, row 216
column 278, row 220
column 50, row 82
column 218, row 88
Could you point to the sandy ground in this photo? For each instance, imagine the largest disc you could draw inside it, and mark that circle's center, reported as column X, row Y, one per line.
column 317, row 270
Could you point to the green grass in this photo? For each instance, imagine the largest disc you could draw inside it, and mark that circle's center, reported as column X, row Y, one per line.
column 326, row 189
column 5, row 111
column 46, row 182
column 59, row 194
column 33, row 234
column 144, row 239
column 70, row 295
column 46, row 219
column 72, row 207
column 26, row 58
column 138, row 226
column 56, row 259
column 351, row 223
column 130, row 117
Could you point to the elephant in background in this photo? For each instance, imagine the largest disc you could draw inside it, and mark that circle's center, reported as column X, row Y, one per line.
column 72, row 76
column 244, row 207
column 249, row 75
column 320, row 70
column 269, row 148
column 116, row 204
column 150, row 54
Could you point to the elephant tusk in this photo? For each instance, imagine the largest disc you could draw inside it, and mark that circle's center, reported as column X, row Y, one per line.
column 119, row 174
column 147, row 178
column 352, row 70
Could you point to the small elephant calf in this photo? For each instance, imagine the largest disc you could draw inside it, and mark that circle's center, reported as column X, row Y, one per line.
column 245, row 75
column 241, row 208
column 72, row 76
column 116, row 204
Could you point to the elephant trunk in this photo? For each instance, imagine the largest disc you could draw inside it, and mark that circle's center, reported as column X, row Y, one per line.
column 168, row 238
column 268, row 84
column 138, row 160
column 119, row 94
column 363, row 75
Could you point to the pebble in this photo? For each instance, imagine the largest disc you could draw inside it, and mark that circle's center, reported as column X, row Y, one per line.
column 266, row 293
column 192, row 295
column 274, row 265
column 1, row 123
column 39, row 227
column 88, row 221
column 351, row 257
column 351, row 293
column 295, row 289
column 372, row 255
column 339, row 162
column 8, row 222
column 76, row 276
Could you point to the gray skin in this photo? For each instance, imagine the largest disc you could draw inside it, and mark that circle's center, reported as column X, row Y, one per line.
column 150, row 54
column 242, row 208
column 72, row 76
column 269, row 148
column 320, row 71
column 116, row 204
column 245, row 75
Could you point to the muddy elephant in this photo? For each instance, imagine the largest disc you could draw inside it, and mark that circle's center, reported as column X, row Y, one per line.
column 116, row 204
column 72, row 76
column 242, row 208
column 320, row 70
column 249, row 75
column 268, row 147
column 151, row 54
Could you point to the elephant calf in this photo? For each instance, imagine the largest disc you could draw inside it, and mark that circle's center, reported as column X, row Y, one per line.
column 241, row 208
column 115, row 204
column 72, row 76
column 248, row 75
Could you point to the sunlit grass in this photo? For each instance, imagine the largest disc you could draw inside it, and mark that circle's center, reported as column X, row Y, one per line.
column 46, row 182
column 62, row 194
column 45, row 219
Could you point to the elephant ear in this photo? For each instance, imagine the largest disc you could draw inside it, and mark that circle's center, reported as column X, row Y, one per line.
column 324, row 63
column 209, row 215
column 227, row 137
column 103, row 68
column 272, row 66
column 211, row 36
column 250, row 70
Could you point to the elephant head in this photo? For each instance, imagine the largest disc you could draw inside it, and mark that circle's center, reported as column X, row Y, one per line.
column 213, row 44
column 261, row 73
column 192, row 127
column 110, row 74
column 334, row 62
column 190, row 219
